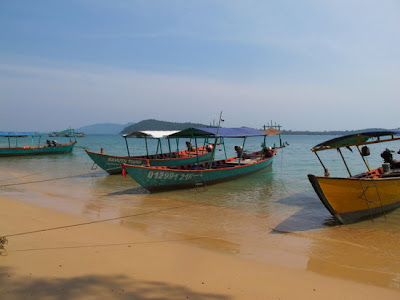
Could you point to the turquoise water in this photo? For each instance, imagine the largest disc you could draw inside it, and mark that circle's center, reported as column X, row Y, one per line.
column 282, row 186
column 274, row 210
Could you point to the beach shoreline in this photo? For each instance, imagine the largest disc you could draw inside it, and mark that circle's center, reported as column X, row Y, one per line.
column 103, row 260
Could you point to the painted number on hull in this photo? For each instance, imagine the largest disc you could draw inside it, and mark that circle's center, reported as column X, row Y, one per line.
column 169, row 176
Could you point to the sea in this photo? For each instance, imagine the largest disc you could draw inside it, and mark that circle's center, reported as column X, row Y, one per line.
column 271, row 216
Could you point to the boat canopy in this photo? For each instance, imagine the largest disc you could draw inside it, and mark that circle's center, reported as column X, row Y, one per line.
column 150, row 134
column 16, row 134
column 218, row 132
column 361, row 138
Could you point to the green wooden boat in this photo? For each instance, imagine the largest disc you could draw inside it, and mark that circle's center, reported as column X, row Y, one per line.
column 51, row 147
column 113, row 164
column 164, row 178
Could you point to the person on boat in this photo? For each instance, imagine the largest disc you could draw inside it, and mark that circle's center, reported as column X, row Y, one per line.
column 209, row 147
column 387, row 156
column 54, row 143
column 189, row 146
column 48, row 143
column 267, row 151
column 239, row 151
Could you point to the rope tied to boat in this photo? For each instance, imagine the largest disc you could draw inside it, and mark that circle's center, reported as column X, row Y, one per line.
column 49, row 179
column 3, row 239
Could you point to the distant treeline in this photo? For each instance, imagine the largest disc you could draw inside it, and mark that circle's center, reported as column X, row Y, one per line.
column 152, row 124
column 334, row 132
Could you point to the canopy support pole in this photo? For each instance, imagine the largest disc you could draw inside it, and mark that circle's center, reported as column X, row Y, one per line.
column 222, row 140
column 127, row 147
column 241, row 153
column 322, row 164
column 169, row 148
column 344, row 161
column 197, row 151
column 158, row 145
column 215, row 141
column 147, row 147
column 365, row 162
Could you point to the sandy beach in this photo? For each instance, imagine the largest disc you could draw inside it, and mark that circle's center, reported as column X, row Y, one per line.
column 105, row 260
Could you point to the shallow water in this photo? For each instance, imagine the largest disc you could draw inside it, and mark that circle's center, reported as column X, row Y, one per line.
column 271, row 216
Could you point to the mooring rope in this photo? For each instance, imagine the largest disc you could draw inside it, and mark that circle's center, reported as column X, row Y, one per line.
column 7, row 179
column 49, row 179
column 98, row 221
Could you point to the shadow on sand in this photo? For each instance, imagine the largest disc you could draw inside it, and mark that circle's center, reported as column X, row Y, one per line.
column 312, row 215
column 134, row 191
column 93, row 287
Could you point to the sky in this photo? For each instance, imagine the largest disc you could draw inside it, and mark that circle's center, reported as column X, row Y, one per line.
column 306, row 65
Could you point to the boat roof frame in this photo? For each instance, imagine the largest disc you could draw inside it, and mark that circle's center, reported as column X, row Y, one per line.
column 357, row 139
column 154, row 134
column 214, row 132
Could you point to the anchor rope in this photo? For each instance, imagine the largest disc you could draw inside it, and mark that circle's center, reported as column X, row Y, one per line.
column 49, row 179
column 7, row 179
column 98, row 221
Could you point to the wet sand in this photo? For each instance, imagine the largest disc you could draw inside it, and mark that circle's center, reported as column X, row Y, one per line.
column 107, row 260
column 178, row 246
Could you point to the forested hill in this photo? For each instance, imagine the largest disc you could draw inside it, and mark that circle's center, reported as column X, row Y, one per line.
column 152, row 124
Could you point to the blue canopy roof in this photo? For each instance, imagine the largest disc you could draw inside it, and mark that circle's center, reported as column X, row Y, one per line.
column 220, row 132
column 16, row 134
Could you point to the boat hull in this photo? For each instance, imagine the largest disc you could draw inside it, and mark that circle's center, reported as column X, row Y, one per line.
column 25, row 151
column 163, row 179
column 113, row 164
column 354, row 199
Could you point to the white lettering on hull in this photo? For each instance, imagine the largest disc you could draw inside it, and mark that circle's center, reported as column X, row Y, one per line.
column 169, row 176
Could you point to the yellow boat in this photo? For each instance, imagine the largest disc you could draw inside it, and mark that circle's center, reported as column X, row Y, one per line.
column 362, row 196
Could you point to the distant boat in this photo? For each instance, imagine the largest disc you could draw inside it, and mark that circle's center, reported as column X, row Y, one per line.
column 66, row 133
column 362, row 196
column 51, row 147
column 197, row 174
column 113, row 164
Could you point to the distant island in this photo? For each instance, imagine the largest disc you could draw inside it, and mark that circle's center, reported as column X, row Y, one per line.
column 333, row 132
column 152, row 124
